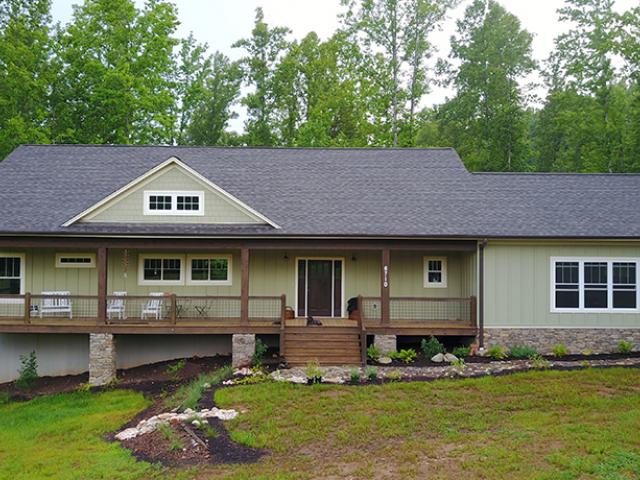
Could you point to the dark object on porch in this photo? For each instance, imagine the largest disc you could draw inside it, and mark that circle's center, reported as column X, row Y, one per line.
column 352, row 308
column 313, row 322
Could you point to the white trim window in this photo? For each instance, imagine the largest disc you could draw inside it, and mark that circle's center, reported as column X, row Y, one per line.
column 75, row 260
column 435, row 272
column 210, row 269
column 173, row 203
column 161, row 270
column 12, row 266
column 594, row 284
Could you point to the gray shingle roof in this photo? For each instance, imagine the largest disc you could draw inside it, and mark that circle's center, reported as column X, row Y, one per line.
column 323, row 192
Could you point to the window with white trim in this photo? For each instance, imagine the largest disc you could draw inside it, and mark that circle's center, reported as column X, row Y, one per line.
column 435, row 272
column 209, row 269
column 173, row 203
column 75, row 260
column 594, row 285
column 160, row 270
column 11, row 274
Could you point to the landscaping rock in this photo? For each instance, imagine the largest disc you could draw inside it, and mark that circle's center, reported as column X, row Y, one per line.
column 384, row 360
column 438, row 358
column 450, row 357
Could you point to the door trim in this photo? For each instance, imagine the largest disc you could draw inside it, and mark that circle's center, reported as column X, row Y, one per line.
column 342, row 284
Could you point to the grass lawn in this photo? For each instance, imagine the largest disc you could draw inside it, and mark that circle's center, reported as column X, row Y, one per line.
column 543, row 425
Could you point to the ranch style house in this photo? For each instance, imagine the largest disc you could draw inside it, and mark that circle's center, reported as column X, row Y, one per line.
column 112, row 256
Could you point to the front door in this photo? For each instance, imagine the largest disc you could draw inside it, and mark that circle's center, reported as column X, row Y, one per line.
column 319, row 287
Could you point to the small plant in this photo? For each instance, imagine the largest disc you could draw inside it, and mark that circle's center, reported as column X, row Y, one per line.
column 497, row 352
column 354, row 375
column 625, row 347
column 314, row 373
column 523, row 351
column 540, row 363
column 258, row 355
column 560, row 350
column 28, row 371
column 84, row 387
column 175, row 368
column 406, row 355
column 393, row 376
column 371, row 373
column 373, row 353
column 170, row 436
column 586, row 352
column 459, row 364
column 4, row 398
column 461, row 352
column 431, row 346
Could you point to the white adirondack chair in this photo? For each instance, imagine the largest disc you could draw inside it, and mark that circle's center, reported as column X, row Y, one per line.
column 153, row 307
column 117, row 306
column 56, row 302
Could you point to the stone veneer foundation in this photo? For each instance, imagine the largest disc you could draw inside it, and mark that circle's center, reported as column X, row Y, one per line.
column 102, row 358
column 243, row 346
column 577, row 340
column 385, row 343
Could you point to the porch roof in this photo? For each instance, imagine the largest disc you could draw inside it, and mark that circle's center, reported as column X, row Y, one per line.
column 322, row 192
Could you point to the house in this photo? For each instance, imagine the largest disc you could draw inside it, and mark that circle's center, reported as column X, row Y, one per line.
column 112, row 256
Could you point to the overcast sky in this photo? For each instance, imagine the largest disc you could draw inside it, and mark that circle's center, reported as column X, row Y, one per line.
column 221, row 22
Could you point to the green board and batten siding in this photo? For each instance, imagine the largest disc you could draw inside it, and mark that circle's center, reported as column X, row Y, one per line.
column 128, row 207
column 518, row 290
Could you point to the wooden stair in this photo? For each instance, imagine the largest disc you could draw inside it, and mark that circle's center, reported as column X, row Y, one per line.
column 324, row 345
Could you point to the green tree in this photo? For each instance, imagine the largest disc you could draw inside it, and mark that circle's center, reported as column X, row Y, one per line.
column 264, row 50
column 117, row 69
column 486, row 120
column 212, row 109
column 25, row 72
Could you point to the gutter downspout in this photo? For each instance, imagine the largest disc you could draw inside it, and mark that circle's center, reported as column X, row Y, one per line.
column 482, row 246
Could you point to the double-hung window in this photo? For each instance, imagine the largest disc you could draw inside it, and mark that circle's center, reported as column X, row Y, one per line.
column 11, row 274
column 594, row 285
column 435, row 272
column 161, row 270
column 209, row 270
column 173, row 203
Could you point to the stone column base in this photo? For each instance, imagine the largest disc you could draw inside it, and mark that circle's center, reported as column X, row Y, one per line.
column 243, row 346
column 385, row 343
column 577, row 340
column 102, row 358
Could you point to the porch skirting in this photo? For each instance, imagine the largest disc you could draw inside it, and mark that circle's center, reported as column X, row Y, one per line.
column 102, row 358
column 577, row 340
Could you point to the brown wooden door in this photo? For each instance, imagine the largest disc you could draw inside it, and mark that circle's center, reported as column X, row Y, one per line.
column 319, row 288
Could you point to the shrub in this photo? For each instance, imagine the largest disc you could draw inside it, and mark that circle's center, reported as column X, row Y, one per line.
column 28, row 371
column 406, row 355
column 373, row 353
column 189, row 395
column 258, row 355
column 394, row 376
column 172, row 370
column 354, row 375
column 497, row 352
column 523, row 351
column 431, row 346
column 371, row 373
column 313, row 372
column 560, row 350
column 625, row 347
column 4, row 398
column 461, row 352
column 538, row 362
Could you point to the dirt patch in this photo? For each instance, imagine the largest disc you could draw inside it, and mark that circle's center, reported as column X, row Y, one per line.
column 149, row 379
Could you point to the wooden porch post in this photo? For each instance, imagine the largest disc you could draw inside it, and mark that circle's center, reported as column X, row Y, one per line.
column 102, row 285
column 244, row 286
column 384, row 286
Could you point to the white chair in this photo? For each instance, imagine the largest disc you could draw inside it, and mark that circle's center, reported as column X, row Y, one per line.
column 56, row 302
column 117, row 306
column 153, row 307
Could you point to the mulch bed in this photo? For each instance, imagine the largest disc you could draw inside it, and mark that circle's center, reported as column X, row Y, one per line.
column 149, row 379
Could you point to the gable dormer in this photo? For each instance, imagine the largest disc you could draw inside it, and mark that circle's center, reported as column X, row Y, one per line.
column 171, row 193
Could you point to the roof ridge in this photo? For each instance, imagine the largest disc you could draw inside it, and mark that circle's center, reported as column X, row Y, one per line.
column 232, row 147
column 559, row 174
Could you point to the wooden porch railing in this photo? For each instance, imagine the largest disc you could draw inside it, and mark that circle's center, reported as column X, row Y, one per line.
column 421, row 311
column 168, row 309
